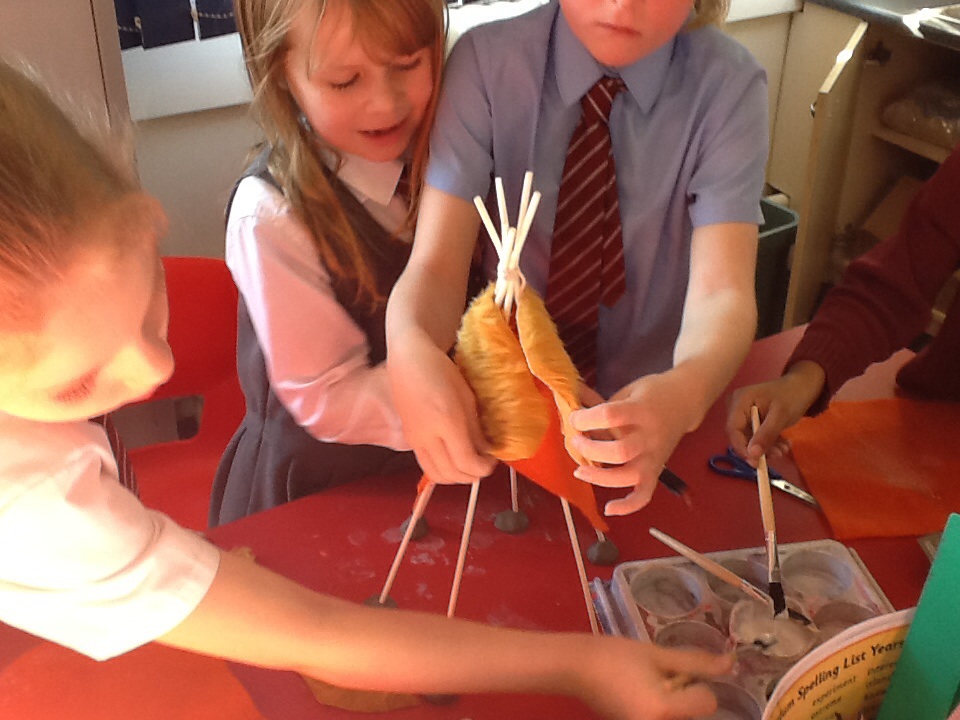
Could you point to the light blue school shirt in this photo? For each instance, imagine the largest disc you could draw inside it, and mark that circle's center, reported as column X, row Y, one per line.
column 690, row 143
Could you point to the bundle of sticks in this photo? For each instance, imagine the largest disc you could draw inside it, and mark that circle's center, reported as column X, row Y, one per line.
column 526, row 387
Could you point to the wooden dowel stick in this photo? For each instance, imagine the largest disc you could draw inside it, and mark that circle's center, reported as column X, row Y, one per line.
column 524, row 229
column 712, row 567
column 769, row 523
column 584, row 583
column 418, row 507
column 763, row 481
column 502, row 206
column 502, row 289
column 488, row 224
column 514, row 499
column 766, row 502
column 464, row 542
column 525, row 196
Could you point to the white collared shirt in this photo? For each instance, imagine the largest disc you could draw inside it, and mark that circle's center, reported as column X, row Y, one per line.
column 82, row 562
column 317, row 357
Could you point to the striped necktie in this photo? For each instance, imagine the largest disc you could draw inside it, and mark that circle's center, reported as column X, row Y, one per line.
column 124, row 468
column 586, row 257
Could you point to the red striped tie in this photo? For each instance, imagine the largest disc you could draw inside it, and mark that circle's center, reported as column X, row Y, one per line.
column 124, row 469
column 586, row 260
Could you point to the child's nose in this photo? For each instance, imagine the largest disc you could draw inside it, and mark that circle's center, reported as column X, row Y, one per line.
column 147, row 365
column 392, row 95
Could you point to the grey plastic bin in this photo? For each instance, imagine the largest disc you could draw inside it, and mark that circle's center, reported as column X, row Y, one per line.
column 777, row 235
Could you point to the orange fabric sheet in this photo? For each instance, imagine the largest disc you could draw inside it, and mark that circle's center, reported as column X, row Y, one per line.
column 882, row 468
column 154, row 682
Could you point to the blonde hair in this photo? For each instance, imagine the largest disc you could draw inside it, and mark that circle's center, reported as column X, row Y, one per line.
column 709, row 12
column 295, row 160
column 53, row 182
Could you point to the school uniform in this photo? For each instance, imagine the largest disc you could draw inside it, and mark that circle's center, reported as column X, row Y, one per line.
column 310, row 353
column 885, row 297
column 84, row 563
column 690, row 143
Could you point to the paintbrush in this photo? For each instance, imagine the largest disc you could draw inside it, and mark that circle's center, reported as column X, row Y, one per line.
column 769, row 525
column 713, row 567
column 675, row 484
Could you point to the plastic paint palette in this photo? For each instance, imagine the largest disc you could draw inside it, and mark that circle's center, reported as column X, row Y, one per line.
column 674, row 603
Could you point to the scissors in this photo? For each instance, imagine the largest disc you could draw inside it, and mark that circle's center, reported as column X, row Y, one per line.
column 733, row 465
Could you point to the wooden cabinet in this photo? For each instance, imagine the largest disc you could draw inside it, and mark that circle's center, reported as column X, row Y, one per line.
column 829, row 153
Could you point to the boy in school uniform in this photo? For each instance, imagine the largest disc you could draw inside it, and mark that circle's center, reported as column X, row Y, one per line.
column 688, row 131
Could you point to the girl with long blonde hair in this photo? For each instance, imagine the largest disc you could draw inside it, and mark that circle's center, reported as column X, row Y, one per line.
column 318, row 230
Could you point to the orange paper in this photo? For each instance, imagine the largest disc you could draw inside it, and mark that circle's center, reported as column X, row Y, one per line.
column 154, row 682
column 882, row 468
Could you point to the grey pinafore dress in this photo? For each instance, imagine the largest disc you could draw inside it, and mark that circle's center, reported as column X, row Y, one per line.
column 271, row 459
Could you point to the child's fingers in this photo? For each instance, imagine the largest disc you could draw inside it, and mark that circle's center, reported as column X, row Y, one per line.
column 614, row 450
column 461, row 464
column 738, row 423
column 592, row 418
column 692, row 701
column 767, row 435
column 440, row 463
column 617, row 476
column 693, row 663
column 636, row 500
column 589, row 397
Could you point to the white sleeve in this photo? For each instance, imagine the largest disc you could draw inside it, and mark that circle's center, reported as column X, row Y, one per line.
column 317, row 357
column 82, row 562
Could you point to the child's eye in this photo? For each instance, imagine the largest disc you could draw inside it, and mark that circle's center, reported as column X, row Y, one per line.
column 411, row 63
column 346, row 84
column 78, row 391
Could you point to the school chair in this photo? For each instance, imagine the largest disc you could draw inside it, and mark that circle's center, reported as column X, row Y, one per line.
column 176, row 477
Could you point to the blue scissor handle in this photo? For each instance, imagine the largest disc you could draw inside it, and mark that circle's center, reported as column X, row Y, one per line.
column 733, row 465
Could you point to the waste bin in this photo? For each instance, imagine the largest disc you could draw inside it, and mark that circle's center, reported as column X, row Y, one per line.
column 777, row 235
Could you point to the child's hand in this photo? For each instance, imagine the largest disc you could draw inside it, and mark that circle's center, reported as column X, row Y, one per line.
column 781, row 402
column 630, row 437
column 439, row 415
column 632, row 680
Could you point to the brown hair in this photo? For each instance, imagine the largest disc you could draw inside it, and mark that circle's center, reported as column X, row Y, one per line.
column 709, row 12
column 53, row 182
column 295, row 161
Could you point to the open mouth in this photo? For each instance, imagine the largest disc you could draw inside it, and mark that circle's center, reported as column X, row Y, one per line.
column 383, row 132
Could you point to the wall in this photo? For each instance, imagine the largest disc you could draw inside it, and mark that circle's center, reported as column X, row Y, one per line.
column 193, row 132
column 83, row 63
column 190, row 163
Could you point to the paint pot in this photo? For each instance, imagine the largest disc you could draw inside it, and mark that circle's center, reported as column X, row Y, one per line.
column 666, row 592
column 752, row 572
column 835, row 617
column 816, row 574
column 768, row 645
column 727, row 595
column 692, row 634
column 733, row 703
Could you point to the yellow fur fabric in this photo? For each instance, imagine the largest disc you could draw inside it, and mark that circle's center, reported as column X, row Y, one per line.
column 513, row 414
column 548, row 360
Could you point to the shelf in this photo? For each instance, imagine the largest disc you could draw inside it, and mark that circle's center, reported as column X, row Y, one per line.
column 912, row 144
